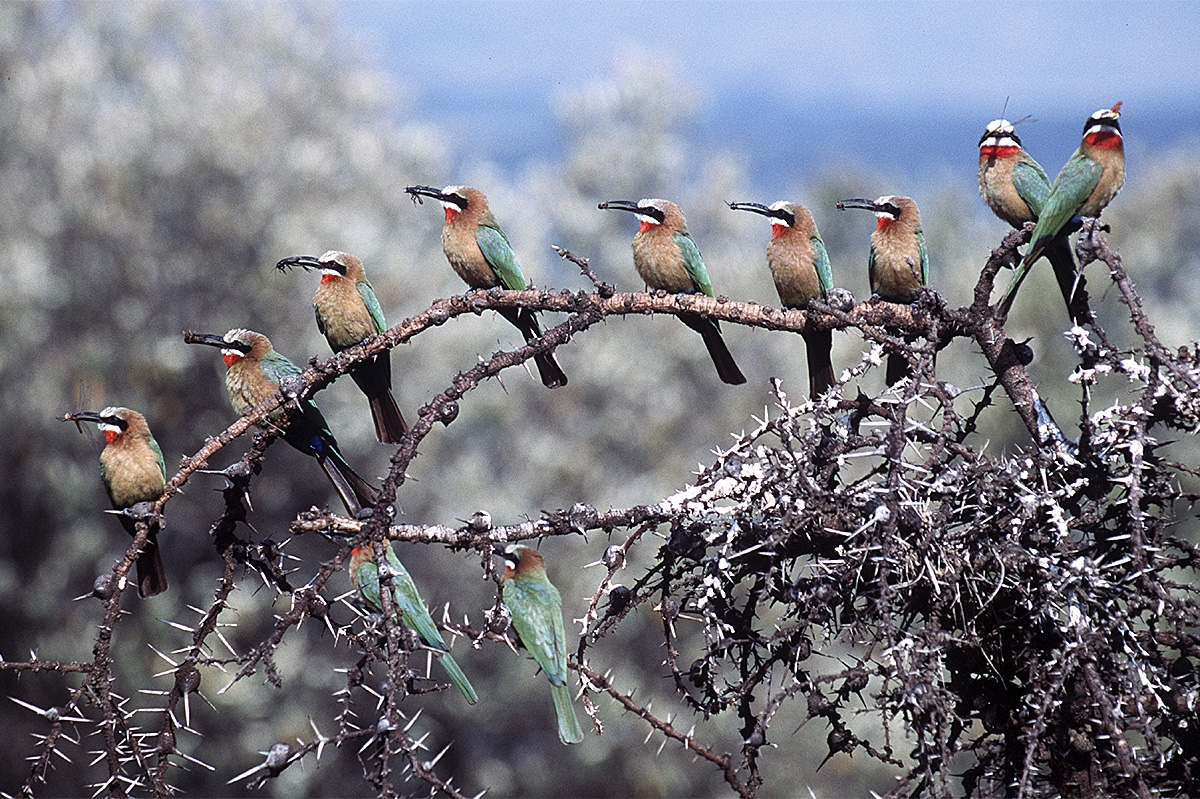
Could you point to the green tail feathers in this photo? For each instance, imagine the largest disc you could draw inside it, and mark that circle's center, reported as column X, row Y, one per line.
column 569, row 731
column 458, row 678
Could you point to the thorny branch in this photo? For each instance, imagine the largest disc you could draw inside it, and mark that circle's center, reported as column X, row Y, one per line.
column 858, row 556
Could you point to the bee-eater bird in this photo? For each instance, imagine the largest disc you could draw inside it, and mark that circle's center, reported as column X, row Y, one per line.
column 253, row 371
column 1086, row 184
column 133, row 471
column 668, row 259
column 405, row 599
column 898, row 265
column 347, row 313
column 800, row 268
column 537, row 617
column 1015, row 187
column 480, row 253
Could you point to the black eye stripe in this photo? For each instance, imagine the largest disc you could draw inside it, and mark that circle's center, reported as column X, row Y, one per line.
column 651, row 211
column 1102, row 122
column 998, row 136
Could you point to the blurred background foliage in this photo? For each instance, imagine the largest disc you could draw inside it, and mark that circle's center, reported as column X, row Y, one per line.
column 158, row 159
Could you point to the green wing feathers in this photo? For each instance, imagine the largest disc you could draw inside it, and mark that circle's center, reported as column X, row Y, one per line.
column 693, row 263
column 821, row 262
column 1032, row 184
column 924, row 258
column 499, row 255
column 1072, row 186
column 537, row 618
column 368, row 295
column 414, row 613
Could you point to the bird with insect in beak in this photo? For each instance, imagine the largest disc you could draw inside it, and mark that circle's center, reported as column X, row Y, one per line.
column 800, row 267
column 1086, row 184
column 347, row 314
column 364, row 573
column 253, row 370
column 480, row 253
column 133, row 471
column 667, row 259
column 536, row 609
column 1015, row 187
column 898, row 265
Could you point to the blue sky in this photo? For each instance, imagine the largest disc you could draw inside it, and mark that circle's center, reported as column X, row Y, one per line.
column 854, row 76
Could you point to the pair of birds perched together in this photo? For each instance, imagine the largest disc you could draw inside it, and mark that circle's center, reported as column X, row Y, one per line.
column 531, row 598
column 1018, row 191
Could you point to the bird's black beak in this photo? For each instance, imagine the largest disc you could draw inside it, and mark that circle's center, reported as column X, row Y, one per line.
column 417, row 192
column 83, row 416
column 499, row 549
column 205, row 338
column 96, row 418
column 757, row 208
column 866, row 205
column 620, row 205
column 304, row 262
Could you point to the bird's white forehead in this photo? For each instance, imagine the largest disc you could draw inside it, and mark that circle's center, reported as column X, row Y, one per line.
column 332, row 255
column 239, row 334
column 999, row 126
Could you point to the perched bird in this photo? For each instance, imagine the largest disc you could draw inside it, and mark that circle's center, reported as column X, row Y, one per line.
column 1015, row 187
column 480, row 253
column 365, row 576
column 347, row 313
column 1086, row 184
column 133, row 471
column 537, row 617
column 898, row 265
column 800, row 267
column 668, row 259
column 253, row 372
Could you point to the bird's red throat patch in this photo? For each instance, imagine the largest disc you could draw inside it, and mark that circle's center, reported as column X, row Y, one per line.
column 993, row 152
column 1105, row 139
